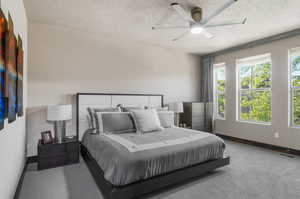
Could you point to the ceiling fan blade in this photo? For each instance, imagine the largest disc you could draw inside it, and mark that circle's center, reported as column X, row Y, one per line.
column 226, row 24
column 165, row 17
column 217, row 12
column 181, row 12
column 181, row 36
column 207, row 34
column 169, row 27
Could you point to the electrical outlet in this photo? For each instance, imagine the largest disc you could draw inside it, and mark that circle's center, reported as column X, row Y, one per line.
column 276, row 135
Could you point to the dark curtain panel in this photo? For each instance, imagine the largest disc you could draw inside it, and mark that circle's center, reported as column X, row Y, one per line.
column 206, row 94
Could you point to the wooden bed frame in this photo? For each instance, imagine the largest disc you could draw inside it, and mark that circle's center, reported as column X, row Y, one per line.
column 142, row 187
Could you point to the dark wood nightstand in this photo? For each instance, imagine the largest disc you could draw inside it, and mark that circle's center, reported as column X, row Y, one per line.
column 58, row 154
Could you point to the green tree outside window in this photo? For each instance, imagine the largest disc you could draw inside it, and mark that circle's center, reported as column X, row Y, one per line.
column 295, row 88
column 220, row 90
column 255, row 92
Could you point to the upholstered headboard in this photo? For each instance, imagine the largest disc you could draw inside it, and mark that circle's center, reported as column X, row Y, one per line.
column 105, row 100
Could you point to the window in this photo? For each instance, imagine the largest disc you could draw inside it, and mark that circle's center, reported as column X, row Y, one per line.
column 294, row 57
column 219, row 87
column 254, row 93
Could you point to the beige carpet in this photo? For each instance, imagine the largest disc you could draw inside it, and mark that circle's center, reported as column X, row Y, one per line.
column 254, row 173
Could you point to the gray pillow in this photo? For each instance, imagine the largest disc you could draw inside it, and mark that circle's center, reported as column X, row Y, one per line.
column 146, row 120
column 93, row 120
column 166, row 118
column 89, row 120
column 112, row 109
column 115, row 122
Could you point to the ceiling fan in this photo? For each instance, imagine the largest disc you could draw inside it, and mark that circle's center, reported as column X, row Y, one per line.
column 197, row 24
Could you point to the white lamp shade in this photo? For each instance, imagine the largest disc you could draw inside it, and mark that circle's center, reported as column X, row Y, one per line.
column 59, row 112
column 177, row 107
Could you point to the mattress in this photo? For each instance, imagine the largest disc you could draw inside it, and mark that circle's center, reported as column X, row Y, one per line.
column 127, row 158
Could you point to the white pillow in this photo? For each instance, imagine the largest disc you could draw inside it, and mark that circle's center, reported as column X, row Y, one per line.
column 158, row 108
column 166, row 118
column 146, row 120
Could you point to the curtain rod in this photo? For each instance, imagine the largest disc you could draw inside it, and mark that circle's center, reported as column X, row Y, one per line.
column 255, row 43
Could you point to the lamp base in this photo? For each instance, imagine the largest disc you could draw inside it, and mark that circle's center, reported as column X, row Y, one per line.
column 59, row 131
column 177, row 119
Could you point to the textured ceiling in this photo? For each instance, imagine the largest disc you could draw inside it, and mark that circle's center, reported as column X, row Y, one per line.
column 133, row 19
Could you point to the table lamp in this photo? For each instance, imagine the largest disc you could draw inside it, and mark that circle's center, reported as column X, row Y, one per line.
column 59, row 114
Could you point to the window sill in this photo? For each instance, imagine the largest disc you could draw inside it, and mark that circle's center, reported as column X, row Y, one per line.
column 294, row 127
column 257, row 123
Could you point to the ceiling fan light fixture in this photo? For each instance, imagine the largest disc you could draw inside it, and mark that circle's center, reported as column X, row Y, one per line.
column 196, row 29
column 197, row 24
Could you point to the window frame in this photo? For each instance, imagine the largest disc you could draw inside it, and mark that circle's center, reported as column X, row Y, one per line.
column 216, row 92
column 250, row 89
column 292, row 88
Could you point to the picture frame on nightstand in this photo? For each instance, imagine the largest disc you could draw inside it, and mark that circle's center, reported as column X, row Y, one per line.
column 47, row 137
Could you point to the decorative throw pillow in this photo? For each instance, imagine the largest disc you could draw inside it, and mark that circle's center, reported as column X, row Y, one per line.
column 114, row 122
column 112, row 109
column 146, row 120
column 117, row 123
column 166, row 118
column 93, row 120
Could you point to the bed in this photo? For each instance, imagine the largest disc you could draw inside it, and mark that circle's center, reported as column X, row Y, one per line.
column 128, row 165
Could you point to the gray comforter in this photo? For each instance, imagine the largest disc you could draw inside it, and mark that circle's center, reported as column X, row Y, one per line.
column 122, row 167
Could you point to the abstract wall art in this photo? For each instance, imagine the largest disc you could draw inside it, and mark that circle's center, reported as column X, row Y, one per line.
column 3, row 30
column 11, row 71
column 20, row 58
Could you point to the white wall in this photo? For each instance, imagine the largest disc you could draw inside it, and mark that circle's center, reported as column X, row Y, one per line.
column 64, row 62
column 13, row 136
column 289, row 137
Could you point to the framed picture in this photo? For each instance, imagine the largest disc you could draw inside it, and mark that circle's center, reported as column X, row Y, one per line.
column 20, row 58
column 11, row 71
column 3, row 31
column 46, row 137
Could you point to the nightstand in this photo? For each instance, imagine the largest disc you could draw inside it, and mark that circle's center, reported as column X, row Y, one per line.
column 193, row 115
column 58, row 154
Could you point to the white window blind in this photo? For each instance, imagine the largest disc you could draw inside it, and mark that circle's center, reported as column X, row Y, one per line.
column 219, row 90
column 294, row 85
